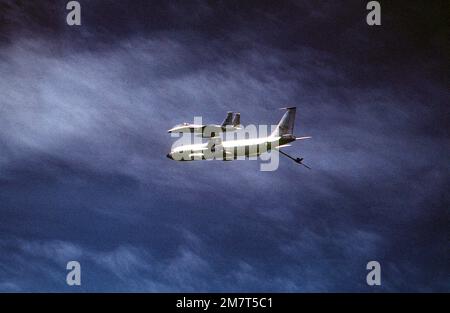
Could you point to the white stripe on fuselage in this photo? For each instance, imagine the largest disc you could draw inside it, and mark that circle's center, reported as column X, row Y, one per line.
column 236, row 148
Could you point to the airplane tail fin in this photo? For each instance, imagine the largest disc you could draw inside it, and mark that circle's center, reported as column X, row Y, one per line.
column 237, row 119
column 286, row 124
column 228, row 120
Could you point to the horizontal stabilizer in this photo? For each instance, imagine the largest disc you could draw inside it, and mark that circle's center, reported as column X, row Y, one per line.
column 283, row 146
column 301, row 138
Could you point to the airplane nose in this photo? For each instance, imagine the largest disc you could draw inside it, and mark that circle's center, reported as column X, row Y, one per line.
column 169, row 155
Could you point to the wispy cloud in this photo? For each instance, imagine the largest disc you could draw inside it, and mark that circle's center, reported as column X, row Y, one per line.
column 83, row 172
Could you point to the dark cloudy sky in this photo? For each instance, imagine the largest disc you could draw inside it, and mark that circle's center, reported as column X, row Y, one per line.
column 83, row 119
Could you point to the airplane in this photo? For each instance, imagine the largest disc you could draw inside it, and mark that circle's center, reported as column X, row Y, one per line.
column 229, row 150
column 211, row 130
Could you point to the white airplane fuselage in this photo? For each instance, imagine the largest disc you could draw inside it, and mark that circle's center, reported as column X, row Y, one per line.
column 228, row 150
column 207, row 131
